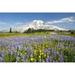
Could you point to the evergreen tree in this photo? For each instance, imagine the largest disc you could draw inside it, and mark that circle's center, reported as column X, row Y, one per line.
column 10, row 30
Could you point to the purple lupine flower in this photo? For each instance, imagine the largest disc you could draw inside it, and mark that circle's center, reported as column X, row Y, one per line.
column 47, row 59
column 61, row 59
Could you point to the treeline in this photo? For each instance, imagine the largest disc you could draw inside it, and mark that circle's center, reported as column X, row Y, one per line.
column 72, row 31
column 31, row 30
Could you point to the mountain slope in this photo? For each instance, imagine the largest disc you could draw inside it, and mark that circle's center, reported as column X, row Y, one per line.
column 38, row 24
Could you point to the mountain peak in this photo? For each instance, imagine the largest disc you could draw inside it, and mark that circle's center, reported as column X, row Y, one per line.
column 37, row 24
column 38, row 21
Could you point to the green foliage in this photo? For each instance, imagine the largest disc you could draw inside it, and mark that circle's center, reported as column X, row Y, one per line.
column 69, row 55
column 9, row 58
column 10, row 30
column 30, row 30
column 72, row 32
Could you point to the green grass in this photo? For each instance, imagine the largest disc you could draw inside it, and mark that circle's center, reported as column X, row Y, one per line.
column 9, row 58
column 66, row 34
column 4, row 35
column 69, row 35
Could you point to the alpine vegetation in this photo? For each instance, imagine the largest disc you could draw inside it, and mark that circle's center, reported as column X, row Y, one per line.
column 37, row 37
column 45, row 48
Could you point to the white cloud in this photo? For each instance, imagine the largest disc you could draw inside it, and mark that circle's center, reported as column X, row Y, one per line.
column 63, row 20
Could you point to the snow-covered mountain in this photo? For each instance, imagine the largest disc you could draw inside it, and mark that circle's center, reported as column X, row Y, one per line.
column 35, row 24
column 38, row 24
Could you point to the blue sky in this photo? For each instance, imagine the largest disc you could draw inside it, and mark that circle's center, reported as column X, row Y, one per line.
column 65, row 20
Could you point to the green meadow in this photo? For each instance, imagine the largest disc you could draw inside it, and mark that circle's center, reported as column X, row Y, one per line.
column 4, row 35
column 13, row 34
